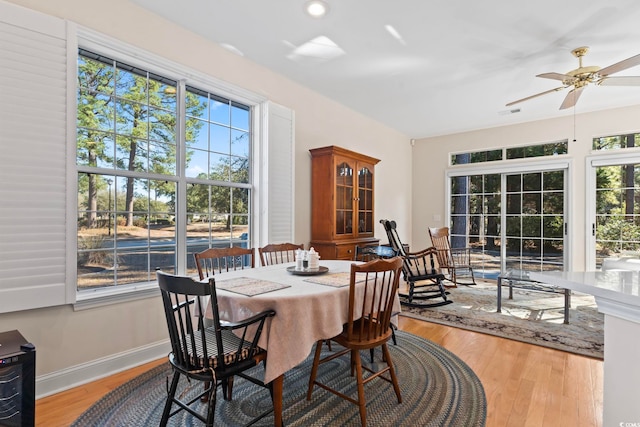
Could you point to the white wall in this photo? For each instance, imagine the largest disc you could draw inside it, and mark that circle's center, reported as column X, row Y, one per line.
column 65, row 339
column 431, row 157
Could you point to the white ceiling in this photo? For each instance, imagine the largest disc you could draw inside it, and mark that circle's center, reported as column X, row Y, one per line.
column 458, row 63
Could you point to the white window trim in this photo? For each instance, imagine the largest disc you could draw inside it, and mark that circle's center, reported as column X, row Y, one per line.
column 507, row 166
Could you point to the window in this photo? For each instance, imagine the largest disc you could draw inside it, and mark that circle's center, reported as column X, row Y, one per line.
column 49, row 201
column 475, row 208
column 616, row 142
column 218, row 173
column 617, row 208
column 534, row 226
column 540, row 150
column 527, row 151
column 614, row 205
column 140, row 179
column 476, row 157
column 511, row 217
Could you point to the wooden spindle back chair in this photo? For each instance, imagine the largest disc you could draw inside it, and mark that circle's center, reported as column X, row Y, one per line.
column 278, row 253
column 210, row 355
column 219, row 260
column 372, row 291
column 455, row 261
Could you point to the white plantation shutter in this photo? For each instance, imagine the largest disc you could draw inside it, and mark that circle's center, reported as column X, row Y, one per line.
column 33, row 123
column 280, row 161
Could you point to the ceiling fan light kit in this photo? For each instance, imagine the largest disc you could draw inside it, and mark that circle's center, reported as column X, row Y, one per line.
column 582, row 76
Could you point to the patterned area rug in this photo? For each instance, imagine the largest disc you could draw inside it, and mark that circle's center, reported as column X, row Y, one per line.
column 533, row 317
column 438, row 389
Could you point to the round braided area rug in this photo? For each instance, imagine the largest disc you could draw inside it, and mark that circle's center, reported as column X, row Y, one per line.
column 438, row 389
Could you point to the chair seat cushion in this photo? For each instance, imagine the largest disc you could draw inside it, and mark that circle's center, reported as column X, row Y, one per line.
column 230, row 343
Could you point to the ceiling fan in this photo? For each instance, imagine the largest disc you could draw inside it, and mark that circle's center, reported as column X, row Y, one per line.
column 579, row 78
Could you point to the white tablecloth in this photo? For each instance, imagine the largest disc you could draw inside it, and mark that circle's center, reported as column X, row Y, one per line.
column 305, row 312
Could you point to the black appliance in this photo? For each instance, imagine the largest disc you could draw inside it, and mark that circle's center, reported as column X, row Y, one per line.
column 17, row 380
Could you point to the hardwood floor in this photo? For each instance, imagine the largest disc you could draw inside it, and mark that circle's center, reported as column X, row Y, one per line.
column 63, row 408
column 525, row 385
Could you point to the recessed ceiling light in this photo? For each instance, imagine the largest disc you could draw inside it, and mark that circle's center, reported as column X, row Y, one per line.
column 317, row 8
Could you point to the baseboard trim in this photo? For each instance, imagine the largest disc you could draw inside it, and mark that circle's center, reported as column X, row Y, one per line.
column 74, row 376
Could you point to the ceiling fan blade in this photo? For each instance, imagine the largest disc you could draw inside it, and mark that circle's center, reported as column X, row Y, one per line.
column 571, row 98
column 619, row 66
column 535, row 96
column 620, row 81
column 556, row 76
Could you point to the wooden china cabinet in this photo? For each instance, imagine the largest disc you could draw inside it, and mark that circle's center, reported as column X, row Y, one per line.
column 341, row 202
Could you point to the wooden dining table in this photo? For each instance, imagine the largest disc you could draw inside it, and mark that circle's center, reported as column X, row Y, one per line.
column 309, row 308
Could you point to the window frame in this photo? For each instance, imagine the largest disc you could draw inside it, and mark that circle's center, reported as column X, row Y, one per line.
column 120, row 51
column 600, row 158
column 598, row 149
column 534, row 164
column 505, row 151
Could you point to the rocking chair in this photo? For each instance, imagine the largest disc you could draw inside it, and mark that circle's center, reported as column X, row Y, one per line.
column 420, row 271
column 457, row 261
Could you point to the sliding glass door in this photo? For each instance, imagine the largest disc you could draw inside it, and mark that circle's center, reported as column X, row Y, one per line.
column 616, row 226
column 534, row 226
column 510, row 219
column 475, row 219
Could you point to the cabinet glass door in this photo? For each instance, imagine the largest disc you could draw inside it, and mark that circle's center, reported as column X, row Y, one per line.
column 365, row 200
column 344, row 199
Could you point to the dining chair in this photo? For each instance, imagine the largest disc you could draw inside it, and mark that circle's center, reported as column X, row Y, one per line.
column 219, row 260
column 278, row 253
column 210, row 355
column 456, row 261
column 368, row 326
column 420, row 271
column 369, row 253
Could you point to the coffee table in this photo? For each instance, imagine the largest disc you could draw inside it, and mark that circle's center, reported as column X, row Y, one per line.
column 521, row 279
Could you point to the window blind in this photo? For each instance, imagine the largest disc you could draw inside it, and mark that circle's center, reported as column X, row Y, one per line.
column 33, row 123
